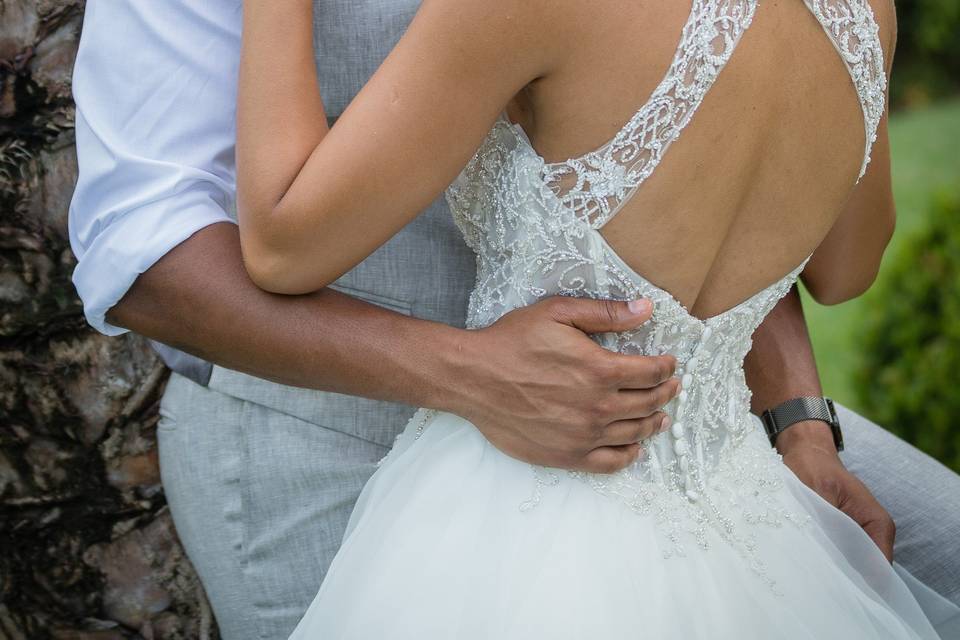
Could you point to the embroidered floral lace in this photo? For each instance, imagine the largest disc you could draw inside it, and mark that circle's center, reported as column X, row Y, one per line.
column 535, row 229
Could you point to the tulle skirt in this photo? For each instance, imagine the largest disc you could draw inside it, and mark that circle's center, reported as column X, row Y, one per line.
column 437, row 547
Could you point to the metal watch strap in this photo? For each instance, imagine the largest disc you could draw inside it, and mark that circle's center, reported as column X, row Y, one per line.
column 776, row 420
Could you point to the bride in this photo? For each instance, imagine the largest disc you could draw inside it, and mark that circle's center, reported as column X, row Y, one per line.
column 702, row 156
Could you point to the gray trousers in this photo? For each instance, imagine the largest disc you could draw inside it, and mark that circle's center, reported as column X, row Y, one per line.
column 261, row 499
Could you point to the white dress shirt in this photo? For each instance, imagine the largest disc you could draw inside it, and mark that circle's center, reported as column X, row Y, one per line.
column 155, row 85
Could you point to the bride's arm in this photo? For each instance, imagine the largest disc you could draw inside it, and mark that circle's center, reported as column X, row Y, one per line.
column 847, row 261
column 314, row 202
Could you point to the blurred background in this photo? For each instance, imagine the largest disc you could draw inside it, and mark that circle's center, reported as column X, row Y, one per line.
column 87, row 547
column 894, row 353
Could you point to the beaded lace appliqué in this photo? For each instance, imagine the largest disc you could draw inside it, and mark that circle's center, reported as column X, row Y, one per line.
column 855, row 34
column 597, row 184
column 535, row 230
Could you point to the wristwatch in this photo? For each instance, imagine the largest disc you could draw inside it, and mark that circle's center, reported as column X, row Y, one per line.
column 799, row 409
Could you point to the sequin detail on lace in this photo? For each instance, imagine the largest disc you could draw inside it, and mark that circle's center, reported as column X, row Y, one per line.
column 596, row 185
column 855, row 33
column 535, row 229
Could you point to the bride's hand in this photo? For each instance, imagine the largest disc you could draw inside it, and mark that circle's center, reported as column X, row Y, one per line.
column 812, row 456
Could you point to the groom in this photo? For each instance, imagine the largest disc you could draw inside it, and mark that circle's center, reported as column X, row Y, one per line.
column 271, row 427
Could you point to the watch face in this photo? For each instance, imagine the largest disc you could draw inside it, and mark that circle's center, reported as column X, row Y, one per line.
column 768, row 423
column 770, row 426
column 835, row 425
column 833, row 411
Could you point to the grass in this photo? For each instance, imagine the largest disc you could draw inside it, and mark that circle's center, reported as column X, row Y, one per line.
column 926, row 158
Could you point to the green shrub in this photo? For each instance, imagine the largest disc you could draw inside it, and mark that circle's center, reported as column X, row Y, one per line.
column 927, row 63
column 909, row 378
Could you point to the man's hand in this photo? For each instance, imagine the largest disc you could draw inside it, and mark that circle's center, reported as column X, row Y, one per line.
column 534, row 383
column 780, row 367
column 811, row 455
column 542, row 391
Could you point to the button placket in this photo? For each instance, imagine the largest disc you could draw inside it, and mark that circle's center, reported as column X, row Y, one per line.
column 682, row 446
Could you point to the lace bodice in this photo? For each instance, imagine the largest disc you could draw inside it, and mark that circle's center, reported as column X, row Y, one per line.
column 535, row 229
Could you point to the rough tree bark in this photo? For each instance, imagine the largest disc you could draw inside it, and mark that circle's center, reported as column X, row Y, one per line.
column 87, row 547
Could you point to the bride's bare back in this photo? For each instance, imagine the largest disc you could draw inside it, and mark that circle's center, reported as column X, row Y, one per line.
column 762, row 176
column 761, row 173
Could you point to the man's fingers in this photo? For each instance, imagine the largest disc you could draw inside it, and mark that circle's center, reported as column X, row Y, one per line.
column 857, row 502
column 600, row 316
column 826, row 475
column 636, row 404
column 623, row 371
column 610, row 459
column 641, row 372
column 860, row 505
column 883, row 532
column 624, row 432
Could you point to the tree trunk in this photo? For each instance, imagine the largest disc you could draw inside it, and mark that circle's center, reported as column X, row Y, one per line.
column 87, row 546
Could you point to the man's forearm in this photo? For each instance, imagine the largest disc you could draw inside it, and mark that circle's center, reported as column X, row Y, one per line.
column 533, row 382
column 781, row 366
column 199, row 298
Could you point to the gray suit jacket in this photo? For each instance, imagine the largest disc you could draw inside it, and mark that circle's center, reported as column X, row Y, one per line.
column 425, row 271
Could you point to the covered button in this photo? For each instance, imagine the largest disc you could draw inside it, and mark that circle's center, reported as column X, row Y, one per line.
column 680, row 447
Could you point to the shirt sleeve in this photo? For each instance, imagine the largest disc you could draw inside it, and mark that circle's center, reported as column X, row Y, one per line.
column 155, row 87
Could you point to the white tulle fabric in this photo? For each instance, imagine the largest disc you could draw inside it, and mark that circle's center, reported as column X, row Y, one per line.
column 438, row 549
column 708, row 536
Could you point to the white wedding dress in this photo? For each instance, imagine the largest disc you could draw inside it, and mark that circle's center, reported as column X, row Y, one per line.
column 709, row 536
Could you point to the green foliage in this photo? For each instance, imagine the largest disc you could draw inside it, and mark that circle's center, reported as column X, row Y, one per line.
column 909, row 379
column 930, row 25
column 927, row 63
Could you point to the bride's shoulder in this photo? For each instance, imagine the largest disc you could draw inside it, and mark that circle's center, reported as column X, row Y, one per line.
column 885, row 15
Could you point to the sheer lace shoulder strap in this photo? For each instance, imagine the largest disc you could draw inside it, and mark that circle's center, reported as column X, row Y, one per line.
column 852, row 28
column 596, row 185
